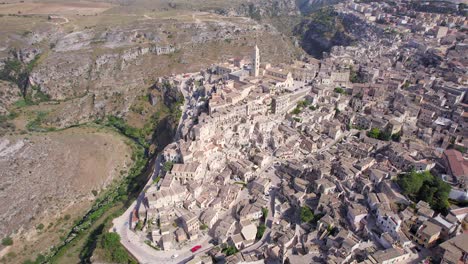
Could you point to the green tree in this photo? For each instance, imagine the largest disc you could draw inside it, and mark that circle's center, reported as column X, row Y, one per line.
column 168, row 166
column 396, row 137
column 110, row 240
column 231, row 250
column 425, row 186
column 265, row 212
column 460, row 148
column 406, row 84
column 439, row 201
column 339, row 90
column 129, row 131
column 139, row 225
column 296, row 111
column 254, row 13
column 260, row 231
column 302, row 103
column 155, row 181
column 353, row 76
column 17, row 72
column 426, row 193
column 384, row 135
column 306, row 214
column 119, row 255
column 113, row 250
column 11, row 70
column 412, row 182
column 7, row 241
column 374, row 133
column 40, row 258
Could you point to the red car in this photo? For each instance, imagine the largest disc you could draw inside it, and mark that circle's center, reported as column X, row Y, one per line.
column 195, row 248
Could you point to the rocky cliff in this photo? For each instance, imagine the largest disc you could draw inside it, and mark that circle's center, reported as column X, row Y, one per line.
column 264, row 9
column 81, row 65
column 93, row 71
column 308, row 6
column 267, row 8
column 325, row 28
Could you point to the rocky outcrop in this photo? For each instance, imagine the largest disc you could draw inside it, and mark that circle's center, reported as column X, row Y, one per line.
column 321, row 31
column 63, row 75
column 327, row 28
column 114, row 65
column 9, row 94
column 168, row 91
column 27, row 55
column 308, row 6
column 259, row 9
column 47, row 175
column 269, row 8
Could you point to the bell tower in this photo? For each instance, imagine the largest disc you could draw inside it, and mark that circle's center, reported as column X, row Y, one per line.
column 256, row 62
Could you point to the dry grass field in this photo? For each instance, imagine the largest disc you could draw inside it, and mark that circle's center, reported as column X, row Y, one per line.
column 57, row 8
column 90, row 64
column 52, row 179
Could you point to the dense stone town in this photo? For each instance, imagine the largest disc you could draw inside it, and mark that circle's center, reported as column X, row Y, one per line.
column 355, row 158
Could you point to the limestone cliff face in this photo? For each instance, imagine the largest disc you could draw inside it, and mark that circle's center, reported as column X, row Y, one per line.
column 320, row 31
column 98, row 71
column 323, row 29
column 258, row 9
column 308, row 6
column 168, row 91
column 8, row 96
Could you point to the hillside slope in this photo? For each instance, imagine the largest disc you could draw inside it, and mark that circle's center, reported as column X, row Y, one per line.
column 65, row 66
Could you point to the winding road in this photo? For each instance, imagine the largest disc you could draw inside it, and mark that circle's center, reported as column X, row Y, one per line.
column 134, row 243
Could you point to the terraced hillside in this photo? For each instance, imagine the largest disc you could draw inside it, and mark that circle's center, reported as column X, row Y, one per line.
column 67, row 69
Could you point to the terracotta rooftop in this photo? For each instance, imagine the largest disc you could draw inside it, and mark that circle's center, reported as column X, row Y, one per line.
column 460, row 211
column 458, row 165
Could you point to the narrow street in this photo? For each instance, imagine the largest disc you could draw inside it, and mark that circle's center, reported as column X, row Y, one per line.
column 134, row 243
column 275, row 180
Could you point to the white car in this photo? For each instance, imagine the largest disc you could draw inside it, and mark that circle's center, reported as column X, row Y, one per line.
column 174, row 256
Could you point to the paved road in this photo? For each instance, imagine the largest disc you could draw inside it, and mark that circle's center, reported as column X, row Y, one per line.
column 146, row 254
column 271, row 209
column 135, row 243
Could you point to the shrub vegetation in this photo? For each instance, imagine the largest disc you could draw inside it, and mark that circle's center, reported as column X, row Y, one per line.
column 7, row 241
column 426, row 187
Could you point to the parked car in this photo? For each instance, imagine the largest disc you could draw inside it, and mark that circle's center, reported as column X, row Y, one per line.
column 195, row 248
column 175, row 256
